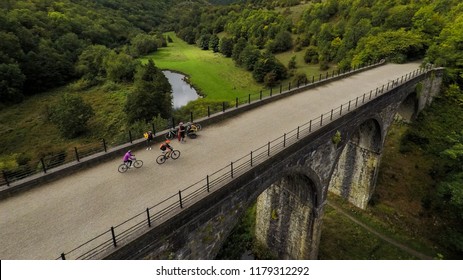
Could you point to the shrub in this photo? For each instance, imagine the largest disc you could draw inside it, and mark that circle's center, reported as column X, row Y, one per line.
column 70, row 115
column 336, row 138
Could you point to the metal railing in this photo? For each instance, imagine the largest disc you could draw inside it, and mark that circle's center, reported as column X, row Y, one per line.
column 132, row 228
column 53, row 160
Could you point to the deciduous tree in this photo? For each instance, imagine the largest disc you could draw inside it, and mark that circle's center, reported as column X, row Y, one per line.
column 71, row 115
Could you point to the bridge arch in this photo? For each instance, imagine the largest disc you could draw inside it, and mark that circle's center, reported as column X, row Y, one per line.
column 287, row 216
column 409, row 108
column 355, row 172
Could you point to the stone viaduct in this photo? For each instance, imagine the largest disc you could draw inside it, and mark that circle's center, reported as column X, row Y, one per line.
column 339, row 152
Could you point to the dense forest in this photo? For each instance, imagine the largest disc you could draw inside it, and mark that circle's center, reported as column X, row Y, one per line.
column 45, row 44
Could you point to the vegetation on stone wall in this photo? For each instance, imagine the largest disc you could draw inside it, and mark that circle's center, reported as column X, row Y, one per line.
column 336, row 138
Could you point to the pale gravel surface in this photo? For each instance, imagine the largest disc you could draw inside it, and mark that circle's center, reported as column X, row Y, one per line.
column 45, row 221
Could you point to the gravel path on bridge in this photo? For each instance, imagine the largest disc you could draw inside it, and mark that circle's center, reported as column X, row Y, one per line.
column 54, row 218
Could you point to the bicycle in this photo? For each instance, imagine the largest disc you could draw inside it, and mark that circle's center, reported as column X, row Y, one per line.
column 172, row 133
column 174, row 154
column 192, row 128
column 123, row 167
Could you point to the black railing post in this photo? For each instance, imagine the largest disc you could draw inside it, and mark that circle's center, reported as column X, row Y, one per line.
column 104, row 145
column 356, row 102
column 77, row 154
column 130, row 136
column 320, row 78
column 260, row 95
column 5, row 177
column 382, row 89
column 321, row 120
column 114, row 237
column 371, row 91
column 271, row 91
column 268, row 149
column 340, row 111
column 236, row 102
column 249, row 98
column 326, row 77
column 297, row 137
column 43, row 165
column 153, row 128
column 208, row 111
column 191, row 116
column 331, row 117
column 289, row 86
column 376, row 93
column 63, row 257
column 148, row 216
column 251, row 158
column 298, row 83
column 231, row 169
column 348, row 108
column 180, row 198
column 281, row 87
column 310, row 126
column 223, row 107
column 207, row 183
column 284, row 140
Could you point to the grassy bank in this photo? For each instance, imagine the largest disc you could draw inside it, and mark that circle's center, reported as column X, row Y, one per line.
column 27, row 133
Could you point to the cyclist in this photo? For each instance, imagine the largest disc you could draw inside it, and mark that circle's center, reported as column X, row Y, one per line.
column 164, row 147
column 128, row 157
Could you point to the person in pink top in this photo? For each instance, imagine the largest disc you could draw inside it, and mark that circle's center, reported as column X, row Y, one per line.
column 128, row 158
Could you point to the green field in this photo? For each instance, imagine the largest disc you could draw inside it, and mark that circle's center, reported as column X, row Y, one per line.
column 213, row 76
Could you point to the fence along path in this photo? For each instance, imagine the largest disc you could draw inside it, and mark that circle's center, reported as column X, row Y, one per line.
column 46, row 221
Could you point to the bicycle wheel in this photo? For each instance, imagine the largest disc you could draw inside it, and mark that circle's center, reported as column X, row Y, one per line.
column 169, row 135
column 122, row 168
column 161, row 159
column 138, row 163
column 198, row 126
column 175, row 154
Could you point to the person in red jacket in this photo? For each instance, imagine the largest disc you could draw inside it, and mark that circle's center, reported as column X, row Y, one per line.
column 181, row 132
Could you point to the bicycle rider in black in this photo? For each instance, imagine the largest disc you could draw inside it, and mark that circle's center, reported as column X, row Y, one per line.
column 165, row 146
